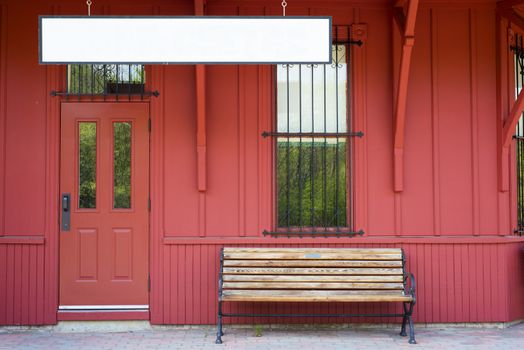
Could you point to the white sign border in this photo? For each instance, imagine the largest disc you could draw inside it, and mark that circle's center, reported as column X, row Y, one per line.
column 41, row 17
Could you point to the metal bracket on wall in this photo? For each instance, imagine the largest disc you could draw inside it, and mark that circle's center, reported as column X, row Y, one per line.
column 359, row 33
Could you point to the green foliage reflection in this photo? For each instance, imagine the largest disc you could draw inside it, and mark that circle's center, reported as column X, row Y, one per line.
column 87, row 165
column 122, row 165
column 311, row 178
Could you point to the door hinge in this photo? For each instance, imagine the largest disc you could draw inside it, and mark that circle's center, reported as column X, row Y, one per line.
column 149, row 124
column 148, row 283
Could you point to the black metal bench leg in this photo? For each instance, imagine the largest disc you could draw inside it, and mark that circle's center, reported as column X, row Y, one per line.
column 404, row 321
column 411, row 327
column 219, row 325
column 411, row 331
column 403, row 328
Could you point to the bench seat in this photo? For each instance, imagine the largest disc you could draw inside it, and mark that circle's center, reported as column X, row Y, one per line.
column 312, row 296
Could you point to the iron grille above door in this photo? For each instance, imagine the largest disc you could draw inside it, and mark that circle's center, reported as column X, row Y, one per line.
column 106, row 80
column 313, row 146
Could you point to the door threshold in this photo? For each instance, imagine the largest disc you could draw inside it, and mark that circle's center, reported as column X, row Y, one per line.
column 103, row 314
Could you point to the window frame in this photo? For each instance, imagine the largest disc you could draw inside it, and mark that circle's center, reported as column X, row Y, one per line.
column 308, row 230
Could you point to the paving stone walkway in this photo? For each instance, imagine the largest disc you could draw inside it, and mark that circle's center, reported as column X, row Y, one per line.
column 275, row 339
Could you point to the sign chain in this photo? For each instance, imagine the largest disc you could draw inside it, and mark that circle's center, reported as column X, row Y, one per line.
column 284, row 5
column 88, row 3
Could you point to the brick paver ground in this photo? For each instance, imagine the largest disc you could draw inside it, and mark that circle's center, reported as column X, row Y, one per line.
column 274, row 339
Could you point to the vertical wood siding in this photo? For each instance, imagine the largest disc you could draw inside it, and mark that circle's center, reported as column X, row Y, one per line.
column 516, row 281
column 450, row 164
column 22, row 284
column 466, row 282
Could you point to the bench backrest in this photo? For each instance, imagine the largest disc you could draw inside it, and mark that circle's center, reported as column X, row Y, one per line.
column 352, row 270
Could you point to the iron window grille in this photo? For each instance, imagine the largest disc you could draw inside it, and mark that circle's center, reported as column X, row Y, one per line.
column 518, row 51
column 105, row 80
column 313, row 148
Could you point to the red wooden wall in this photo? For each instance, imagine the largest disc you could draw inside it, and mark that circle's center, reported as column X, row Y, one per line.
column 451, row 219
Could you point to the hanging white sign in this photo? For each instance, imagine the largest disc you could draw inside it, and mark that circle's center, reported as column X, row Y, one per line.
column 184, row 40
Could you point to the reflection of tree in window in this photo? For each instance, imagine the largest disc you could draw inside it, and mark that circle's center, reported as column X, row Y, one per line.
column 314, row 198
column 87, row 165
column 122, row 165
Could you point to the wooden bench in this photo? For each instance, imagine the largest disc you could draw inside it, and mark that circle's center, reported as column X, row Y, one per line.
column 315, row 275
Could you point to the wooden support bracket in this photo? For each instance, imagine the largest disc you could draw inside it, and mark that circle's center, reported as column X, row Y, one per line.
column 200, row 84
column 506, row 127
column 512, row 16
column 406, row 24
column 508, row 130
column 513, row 118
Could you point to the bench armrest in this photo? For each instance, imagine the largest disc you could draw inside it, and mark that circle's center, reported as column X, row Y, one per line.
column 412, row 286
column 220, row 274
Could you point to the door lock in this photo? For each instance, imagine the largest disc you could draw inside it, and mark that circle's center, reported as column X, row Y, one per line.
column 66, row 211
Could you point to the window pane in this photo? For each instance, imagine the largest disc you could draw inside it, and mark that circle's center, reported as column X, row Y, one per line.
column 311, row 178
column 105, row 78
column 312, row 98
column 122, row 165
column 87, row 165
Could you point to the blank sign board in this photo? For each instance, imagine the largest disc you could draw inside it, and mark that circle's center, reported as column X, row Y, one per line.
column 185, row 40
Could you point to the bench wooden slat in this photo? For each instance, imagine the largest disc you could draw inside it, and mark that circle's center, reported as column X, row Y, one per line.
column 311, row 271
column 312, row 285
column 313, row 296
column 313, row 255
column 315, row 250
column 313, row 263
column 308, row 278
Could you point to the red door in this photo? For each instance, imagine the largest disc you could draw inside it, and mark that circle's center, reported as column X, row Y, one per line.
column 104, row 180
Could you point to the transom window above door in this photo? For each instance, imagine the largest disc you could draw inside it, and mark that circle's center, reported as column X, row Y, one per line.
column 105, row 79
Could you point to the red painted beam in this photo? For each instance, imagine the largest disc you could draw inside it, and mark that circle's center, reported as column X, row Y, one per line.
column 513, row 17
column 22, row 240
column 200, row 73
column 506, row 128
column 201, row 126
column 508, row 131
column 509, row 3
column 408, row 29
column 513, row 118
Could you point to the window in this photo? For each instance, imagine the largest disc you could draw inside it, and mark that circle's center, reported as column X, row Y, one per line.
column 105, row 79
column 313, row 148
column 519, row 133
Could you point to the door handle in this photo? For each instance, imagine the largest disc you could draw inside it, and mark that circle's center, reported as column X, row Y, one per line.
column 66, row 211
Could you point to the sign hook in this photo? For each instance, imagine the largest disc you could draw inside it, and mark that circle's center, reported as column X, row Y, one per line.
column 88, row 3
column 284, row 5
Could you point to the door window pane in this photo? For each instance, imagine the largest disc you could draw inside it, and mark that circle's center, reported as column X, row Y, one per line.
column 87, row 165
column 122, row 165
